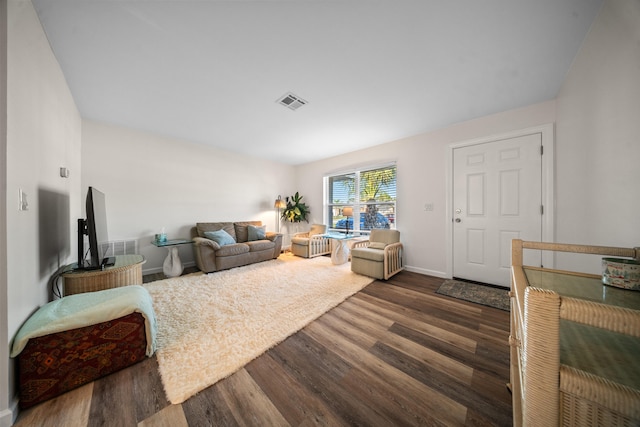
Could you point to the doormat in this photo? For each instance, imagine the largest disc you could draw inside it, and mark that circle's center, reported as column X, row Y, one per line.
column 477, row 293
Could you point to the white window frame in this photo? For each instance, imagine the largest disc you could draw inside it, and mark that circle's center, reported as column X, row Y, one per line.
column 357, row 203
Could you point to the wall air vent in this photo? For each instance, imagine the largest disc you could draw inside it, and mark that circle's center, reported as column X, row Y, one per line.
column 291, row 101
column 119, row 247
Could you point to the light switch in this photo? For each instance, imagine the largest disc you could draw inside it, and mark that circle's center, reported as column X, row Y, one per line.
column 428, row 207
column 24, row 205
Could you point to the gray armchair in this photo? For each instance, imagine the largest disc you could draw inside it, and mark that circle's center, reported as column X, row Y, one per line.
column 380, row 256
column 311, row 243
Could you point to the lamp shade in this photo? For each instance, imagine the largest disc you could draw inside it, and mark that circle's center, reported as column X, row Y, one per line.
column 347, row 211
column 279, row 203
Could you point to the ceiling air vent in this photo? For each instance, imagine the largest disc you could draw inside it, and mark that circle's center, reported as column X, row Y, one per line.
column 292, row 101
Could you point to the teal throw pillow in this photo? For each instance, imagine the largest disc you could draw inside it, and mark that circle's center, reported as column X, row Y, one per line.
column 256, row 233
column 221, row 237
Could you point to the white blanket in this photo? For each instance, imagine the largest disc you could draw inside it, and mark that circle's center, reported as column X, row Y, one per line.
column 80, row 310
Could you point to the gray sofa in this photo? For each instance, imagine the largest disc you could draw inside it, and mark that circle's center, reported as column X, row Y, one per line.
column 247, row 247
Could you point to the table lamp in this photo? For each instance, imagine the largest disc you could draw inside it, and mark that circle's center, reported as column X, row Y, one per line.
column 347, row 211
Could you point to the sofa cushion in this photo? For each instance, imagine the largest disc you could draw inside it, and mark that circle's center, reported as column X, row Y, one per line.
column 260, row 245
column 241, row 230
column 366, row 253
column 384, row 235
column 201, row 227
column 303, row 241
column 377, row 245
column 221, row 237
column 233, row 249
column 256, row 233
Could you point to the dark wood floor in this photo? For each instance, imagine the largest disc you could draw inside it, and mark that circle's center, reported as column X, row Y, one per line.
column 395, row 353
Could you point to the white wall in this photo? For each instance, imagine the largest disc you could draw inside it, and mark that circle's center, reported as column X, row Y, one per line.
column 421, row 178
column 151, row 182
column 43, row 134
column 6, row 415
column 598, row 137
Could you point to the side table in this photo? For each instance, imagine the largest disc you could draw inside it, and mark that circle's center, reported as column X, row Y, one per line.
column 574, row 342
column 339, row 247
column 172, row 266
column 126, row 271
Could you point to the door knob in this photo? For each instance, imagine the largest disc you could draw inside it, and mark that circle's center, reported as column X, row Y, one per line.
column 458, row 220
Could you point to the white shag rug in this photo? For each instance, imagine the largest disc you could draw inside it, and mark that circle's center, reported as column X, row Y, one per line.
column 211, row 325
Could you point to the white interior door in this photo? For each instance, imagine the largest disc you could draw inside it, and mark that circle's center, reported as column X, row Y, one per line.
column 497, row 197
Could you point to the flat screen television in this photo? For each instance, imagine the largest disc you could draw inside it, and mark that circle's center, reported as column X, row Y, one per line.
column 95, row 227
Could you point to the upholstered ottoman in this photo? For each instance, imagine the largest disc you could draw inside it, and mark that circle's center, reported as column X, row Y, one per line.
column 80, row 338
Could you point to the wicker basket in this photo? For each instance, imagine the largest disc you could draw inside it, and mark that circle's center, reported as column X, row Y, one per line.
column 126, row 271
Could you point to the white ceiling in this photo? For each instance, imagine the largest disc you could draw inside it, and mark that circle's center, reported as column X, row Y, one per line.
column 372, row 71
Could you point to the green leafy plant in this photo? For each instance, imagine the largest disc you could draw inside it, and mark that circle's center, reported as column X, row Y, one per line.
column 296, row 210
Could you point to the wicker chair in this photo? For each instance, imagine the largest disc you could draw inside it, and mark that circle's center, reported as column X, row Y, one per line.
column 311, row 243
column 380, row 256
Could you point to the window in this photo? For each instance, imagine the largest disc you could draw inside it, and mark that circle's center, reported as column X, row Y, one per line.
column 370, row 192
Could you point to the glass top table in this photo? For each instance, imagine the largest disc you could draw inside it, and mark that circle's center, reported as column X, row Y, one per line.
column 172, row 265
column 585, row 287
column 339, row 236
column 173, row 242
column 601, row 352
column 339, row 247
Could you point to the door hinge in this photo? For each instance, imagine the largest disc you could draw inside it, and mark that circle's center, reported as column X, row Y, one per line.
column 541, row 209
column 541, row 150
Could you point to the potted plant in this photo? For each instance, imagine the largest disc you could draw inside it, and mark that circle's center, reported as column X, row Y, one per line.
column 296, row 210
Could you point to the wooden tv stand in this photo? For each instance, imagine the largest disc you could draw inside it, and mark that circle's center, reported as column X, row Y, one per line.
column 126, row 271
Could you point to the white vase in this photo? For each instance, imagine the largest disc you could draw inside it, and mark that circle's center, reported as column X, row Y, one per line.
column 340, row 252
column 172, row 266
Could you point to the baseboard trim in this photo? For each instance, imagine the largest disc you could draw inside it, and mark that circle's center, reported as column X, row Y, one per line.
column 427, row 272
column 8, row 416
